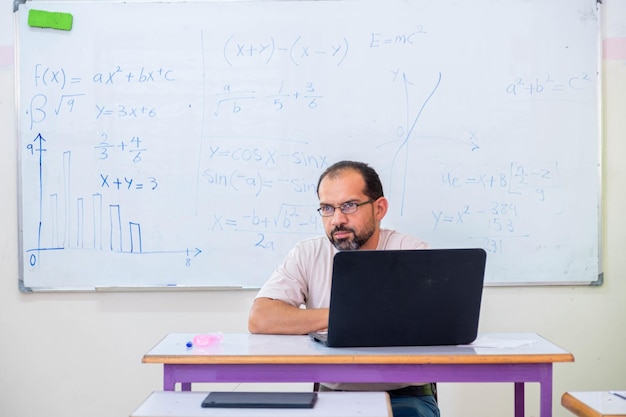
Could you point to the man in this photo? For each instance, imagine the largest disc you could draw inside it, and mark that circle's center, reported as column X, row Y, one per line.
column 352, row 206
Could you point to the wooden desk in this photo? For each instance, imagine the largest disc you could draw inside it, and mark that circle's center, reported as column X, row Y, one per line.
column 594, row 404
column 329, row 404
column 274, row 358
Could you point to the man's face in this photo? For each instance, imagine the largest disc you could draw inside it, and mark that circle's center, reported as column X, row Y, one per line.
column 358, row 230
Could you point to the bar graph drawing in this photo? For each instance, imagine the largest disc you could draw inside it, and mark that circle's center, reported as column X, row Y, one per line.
column 72, row 222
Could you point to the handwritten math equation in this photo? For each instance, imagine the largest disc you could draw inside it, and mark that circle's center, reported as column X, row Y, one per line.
column 267, row 156
column 132, row 146
column 265, row 226
column 533, row 86
column 254, row 183
column 114, row 182
column 505, row 218
column 55, row 99
column 517, row 179
column 234, row 100
column 297, row 51
column 302, row 50
column 46, row 76
column 249, row 169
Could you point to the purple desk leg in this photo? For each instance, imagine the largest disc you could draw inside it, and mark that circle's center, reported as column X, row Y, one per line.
column 545, row 409
column 519, row 399
column 169, row 379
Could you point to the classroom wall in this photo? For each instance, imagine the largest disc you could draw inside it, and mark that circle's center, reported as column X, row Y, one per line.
column 76, row 354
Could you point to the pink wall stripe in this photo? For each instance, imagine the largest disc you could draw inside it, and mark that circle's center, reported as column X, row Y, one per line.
column 6, row 56
column 614, row 48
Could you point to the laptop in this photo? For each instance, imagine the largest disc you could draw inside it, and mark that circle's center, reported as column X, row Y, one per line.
column 428, row 297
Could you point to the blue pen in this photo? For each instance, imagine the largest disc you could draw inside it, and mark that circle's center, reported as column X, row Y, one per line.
column 617, row 394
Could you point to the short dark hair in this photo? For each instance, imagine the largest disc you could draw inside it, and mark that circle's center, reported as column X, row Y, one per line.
column 373, row 186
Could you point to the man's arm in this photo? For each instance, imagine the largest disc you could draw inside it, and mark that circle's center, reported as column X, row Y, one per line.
column 271, row 316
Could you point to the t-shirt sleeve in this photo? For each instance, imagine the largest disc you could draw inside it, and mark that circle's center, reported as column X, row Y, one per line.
column 288, row 282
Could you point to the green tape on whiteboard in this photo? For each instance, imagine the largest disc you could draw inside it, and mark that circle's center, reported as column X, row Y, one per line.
column 50, row 20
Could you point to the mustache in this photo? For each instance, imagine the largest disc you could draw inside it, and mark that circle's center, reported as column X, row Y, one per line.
column 341, row 229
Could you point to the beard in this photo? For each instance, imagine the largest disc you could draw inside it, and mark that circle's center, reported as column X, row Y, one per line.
column 355, row 241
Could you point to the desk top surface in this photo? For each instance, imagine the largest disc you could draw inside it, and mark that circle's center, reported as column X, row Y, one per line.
column 595, row 403
column 243, row 348
column 335, row 404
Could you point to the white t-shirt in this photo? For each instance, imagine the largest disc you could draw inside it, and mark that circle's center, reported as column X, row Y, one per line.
column 304, row 278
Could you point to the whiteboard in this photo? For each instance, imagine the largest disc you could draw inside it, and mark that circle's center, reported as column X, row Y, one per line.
column 178, row 145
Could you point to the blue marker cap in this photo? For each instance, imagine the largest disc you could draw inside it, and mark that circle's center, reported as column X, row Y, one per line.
column 189, row 344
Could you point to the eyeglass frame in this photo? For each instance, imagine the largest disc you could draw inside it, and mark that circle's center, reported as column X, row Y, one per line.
column 342, row 207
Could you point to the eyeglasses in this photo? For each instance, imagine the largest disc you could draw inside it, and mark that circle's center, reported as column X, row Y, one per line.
column 346, row 208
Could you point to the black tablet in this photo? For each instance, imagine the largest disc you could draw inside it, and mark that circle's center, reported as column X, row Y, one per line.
column 235, row 399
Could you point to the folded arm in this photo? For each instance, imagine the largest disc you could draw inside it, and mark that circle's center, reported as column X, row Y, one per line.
column 271, row 316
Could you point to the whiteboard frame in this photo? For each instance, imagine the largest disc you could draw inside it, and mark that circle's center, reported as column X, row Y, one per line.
column 25, row 289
